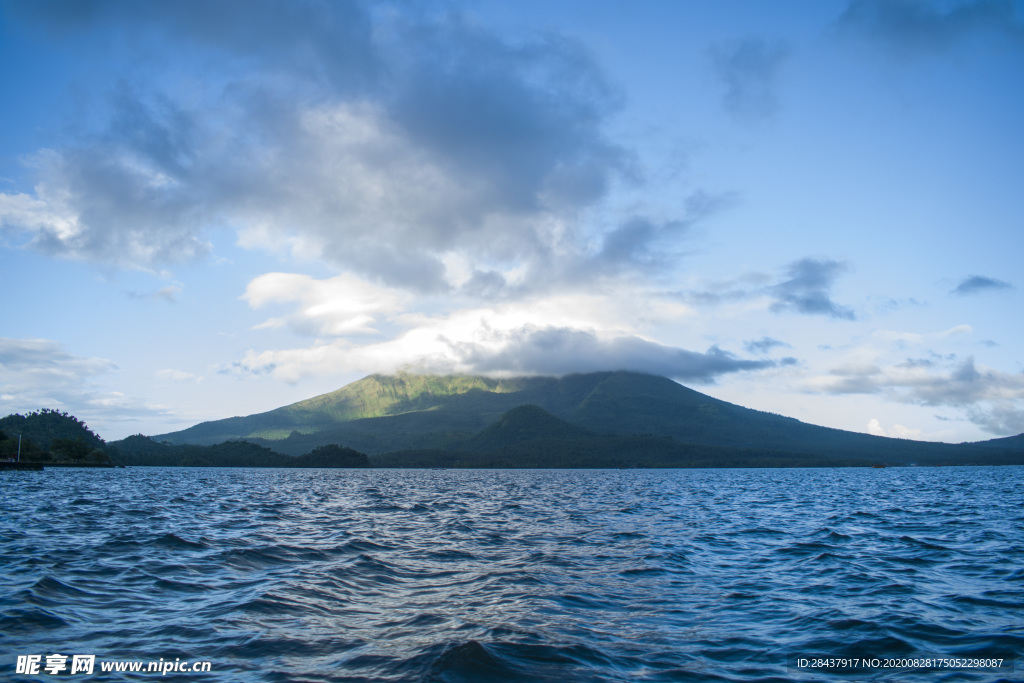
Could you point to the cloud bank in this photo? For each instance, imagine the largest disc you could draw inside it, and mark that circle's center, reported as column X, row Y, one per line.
column 557, row 351
column 990, row 398
column 553, row 336
column 389, row 144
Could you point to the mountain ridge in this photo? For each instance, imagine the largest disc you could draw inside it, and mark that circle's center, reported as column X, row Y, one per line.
column 406, row 412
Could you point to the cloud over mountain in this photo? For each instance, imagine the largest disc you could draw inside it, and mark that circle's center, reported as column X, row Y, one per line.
column 557, row 351
column 549, row 337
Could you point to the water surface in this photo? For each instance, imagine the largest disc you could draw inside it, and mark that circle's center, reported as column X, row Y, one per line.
column 467, row 575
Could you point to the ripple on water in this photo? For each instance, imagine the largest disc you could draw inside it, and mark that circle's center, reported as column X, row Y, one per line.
column 458, row 575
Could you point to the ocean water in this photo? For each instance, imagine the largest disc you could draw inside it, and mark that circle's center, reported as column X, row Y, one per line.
column 915, row 574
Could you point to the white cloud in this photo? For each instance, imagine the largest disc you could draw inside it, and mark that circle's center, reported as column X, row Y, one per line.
column 901, row 338
column 37, row 214
column 992, row 399
column 352, row 187
column 98, row 202
column 898, row 337
column 39, row 373
column 177, row 375
column 380, row 142
column 899, row 431
column 555, row 335
column 169, row 293
column 1001, row 418
column 339, row 306
column 346, row 305
column 958, row 383
column 956, row 330
column 30, row 359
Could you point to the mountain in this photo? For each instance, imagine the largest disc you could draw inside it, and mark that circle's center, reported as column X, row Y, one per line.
column 378, row 396
column 529, row 436
column 522, row 425
column 383, row 413
column 437, row 417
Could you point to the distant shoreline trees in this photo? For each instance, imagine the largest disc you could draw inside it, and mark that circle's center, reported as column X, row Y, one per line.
column 52, row 437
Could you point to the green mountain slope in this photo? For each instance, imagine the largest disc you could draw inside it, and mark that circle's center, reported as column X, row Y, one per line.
column 382, row 414
column 531, row 437
column 376, row 396
column 520, row 425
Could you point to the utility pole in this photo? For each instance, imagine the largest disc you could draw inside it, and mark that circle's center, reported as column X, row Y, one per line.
column 19, row 448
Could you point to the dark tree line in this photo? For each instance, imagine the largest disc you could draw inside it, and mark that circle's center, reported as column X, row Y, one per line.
column 140, row 450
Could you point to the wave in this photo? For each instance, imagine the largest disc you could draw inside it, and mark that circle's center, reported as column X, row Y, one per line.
column 520, row 576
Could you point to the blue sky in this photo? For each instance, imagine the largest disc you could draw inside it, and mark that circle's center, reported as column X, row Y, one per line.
column 211, row 209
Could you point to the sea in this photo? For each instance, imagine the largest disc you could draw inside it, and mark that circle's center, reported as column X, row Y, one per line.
column 220, row 574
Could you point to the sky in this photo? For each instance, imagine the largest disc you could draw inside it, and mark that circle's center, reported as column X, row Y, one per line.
column 813, row 208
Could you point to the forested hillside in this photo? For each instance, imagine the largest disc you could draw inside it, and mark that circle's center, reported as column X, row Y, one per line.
column 413, row 413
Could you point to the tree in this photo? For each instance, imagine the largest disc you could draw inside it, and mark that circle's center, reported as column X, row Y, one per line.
column 71, row 449
column 333, row 455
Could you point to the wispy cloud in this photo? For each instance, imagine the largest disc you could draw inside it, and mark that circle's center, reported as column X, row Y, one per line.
column 805, row 287
column 177, row 375
column 764, row 345
column 912, row 27
column 748, row 70
column 43, row 357
column 168, row 294
column 808, row 289
column 1001, row 419
column 976, row 284
column 39, row 373
column 992, row 399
